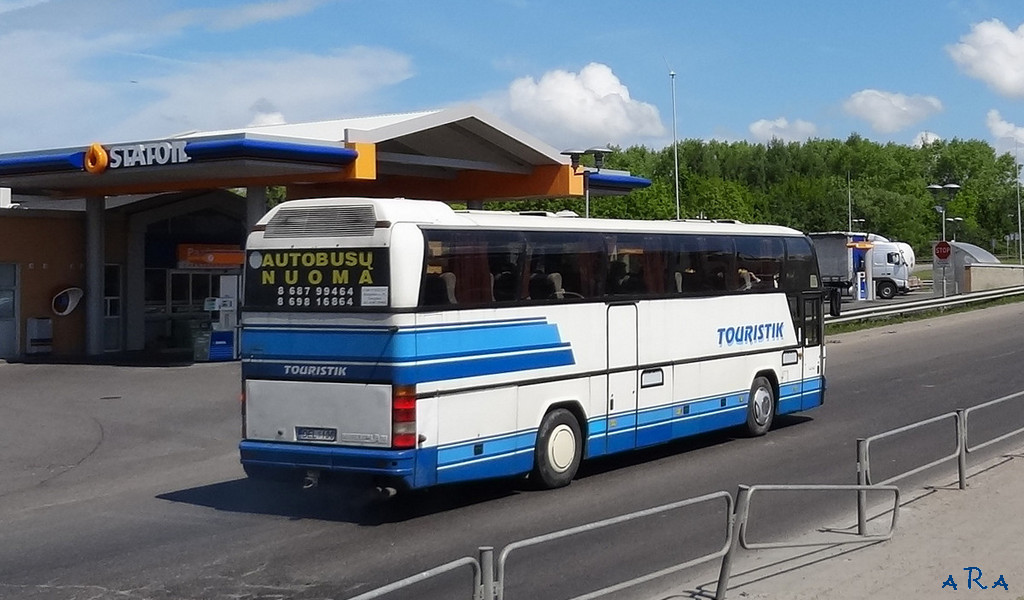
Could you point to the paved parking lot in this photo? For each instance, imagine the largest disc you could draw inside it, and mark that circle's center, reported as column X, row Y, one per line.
column 69, row 424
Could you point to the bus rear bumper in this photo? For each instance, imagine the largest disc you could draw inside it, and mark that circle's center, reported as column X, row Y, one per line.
column 383, row 467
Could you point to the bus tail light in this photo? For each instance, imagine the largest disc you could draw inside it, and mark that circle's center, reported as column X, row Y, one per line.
column 403, row 416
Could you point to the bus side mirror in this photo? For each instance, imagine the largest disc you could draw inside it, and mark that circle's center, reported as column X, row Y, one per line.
column 835, row 301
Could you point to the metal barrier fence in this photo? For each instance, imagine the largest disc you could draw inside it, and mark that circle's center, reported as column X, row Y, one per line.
column 621, row 519
column 963, row 448
column 483, row 586
column 967, row 413
column 742, row 518
column 904, row 308
column 487, row 586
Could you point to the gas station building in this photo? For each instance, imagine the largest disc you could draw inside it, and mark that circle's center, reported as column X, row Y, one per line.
column 133, row 246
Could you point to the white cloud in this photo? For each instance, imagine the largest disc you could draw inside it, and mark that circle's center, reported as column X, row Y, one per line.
column 13, row 5
column 1007, row 136
column 265, row 113
column 108, row 74
column 54, row 101
column 263, row 89
column 797, row 131
column 225, row 19
column 925, row 137
column 582, row 109
column 888, row 112
column 994, row 54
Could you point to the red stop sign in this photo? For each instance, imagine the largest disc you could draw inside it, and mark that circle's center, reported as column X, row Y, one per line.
column 943, row 250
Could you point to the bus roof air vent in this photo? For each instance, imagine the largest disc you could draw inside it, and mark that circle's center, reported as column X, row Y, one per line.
column 322, row 221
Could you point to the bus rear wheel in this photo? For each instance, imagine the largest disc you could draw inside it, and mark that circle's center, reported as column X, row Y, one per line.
column 559, row 450
column 760, row 406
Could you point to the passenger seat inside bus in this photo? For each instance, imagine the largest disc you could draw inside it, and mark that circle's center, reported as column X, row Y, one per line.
column 541, row 286
column 556, row 283
column 449, row 286
column 439, row 289
column 503, row 286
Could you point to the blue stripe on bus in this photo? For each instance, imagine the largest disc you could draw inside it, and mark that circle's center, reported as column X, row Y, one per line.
column 404, row 356
column 408, row 373
column 399, row 344
column 689, row 417
column 484, row 448
column 506, row 465
column 512, row 454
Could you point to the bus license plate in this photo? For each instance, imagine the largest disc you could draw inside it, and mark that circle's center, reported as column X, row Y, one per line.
column 316, row 434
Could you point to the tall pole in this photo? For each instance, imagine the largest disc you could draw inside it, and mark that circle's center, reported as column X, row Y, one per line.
column 586, row 193
column 849, row 203
column 1016, row 176
column 675, row 146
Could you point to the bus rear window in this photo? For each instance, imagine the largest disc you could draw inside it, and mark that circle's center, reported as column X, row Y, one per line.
column 316, row 280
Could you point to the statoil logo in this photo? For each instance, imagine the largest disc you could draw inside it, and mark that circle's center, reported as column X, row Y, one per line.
column 99, row 158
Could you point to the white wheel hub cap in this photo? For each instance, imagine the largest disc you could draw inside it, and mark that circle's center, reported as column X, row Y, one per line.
column 762, row 406
column 561, row 448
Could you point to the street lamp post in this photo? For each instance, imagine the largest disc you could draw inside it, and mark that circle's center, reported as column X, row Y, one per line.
column 956, row 221
column 574, row 158
column 1016, row 178
column 950, row 190
column 675, row 144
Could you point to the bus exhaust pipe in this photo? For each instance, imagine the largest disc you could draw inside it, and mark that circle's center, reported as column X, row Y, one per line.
column 311, row 480
column 386, row 492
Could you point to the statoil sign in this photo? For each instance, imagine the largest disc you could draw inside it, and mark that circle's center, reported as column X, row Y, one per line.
column 99, row 158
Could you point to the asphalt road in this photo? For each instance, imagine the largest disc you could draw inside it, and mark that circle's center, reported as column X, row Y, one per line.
column 123, row 482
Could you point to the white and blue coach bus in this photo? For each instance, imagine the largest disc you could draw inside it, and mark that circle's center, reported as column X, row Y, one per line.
column 417, row 345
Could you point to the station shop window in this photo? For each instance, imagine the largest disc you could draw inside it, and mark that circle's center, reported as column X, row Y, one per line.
column 112, row 290
column 156, row 290
column 178, row 292
column 7, row 281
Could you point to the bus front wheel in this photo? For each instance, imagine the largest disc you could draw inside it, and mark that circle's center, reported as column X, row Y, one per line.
column 559, row 449
column 760, row 406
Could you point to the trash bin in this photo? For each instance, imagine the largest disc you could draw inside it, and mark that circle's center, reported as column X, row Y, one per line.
column 222, row 345
column 38, row 335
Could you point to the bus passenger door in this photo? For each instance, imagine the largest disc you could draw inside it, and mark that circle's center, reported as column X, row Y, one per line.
column 622, row 376
column 811, row 338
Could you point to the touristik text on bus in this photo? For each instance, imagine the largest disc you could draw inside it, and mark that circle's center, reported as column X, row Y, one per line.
column 751, row 334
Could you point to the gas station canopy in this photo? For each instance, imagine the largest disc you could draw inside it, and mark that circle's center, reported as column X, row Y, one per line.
column 456, row 154
column 453, row 155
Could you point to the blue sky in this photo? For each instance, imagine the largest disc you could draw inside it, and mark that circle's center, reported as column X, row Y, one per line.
column 571, row 73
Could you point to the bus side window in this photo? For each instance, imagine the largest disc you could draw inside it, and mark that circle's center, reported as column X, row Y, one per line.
column 570, row 263
column 801, row 268
column 638, row 265
column 477, row 267
column 686, row 261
